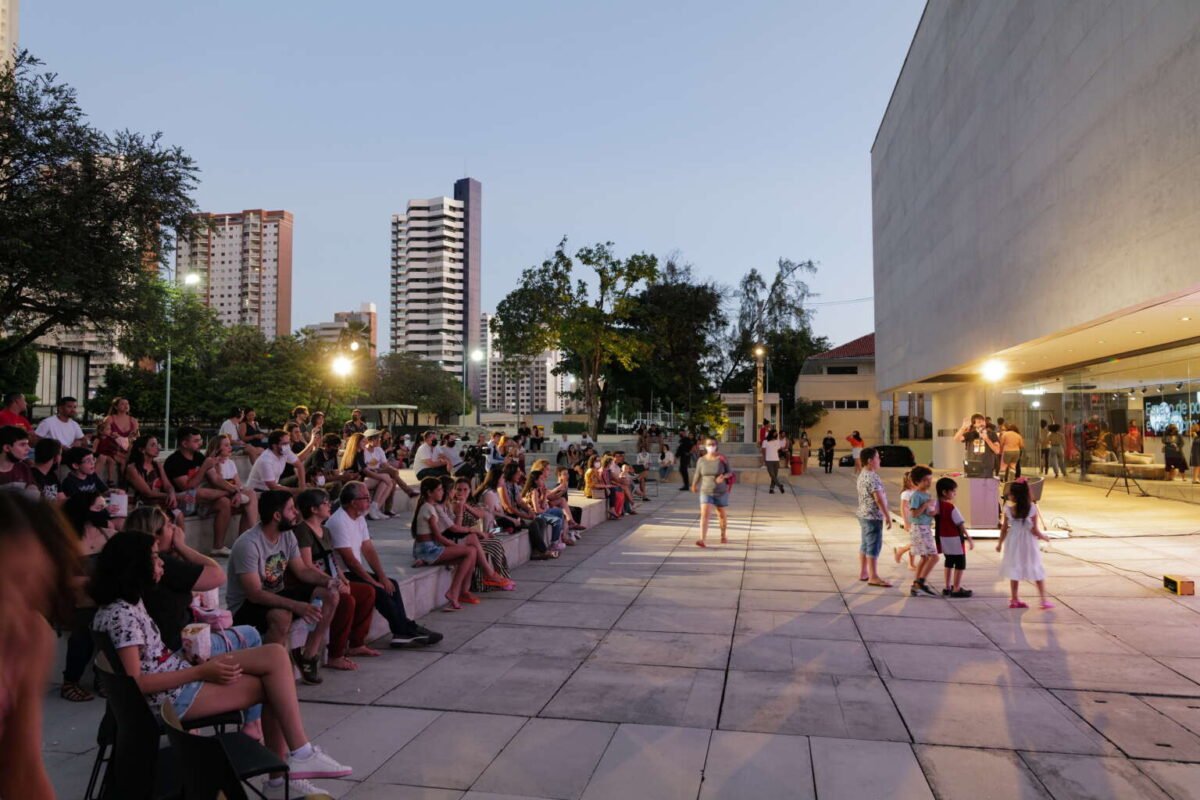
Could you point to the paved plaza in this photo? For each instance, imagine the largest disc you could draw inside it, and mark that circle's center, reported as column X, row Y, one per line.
column 639, row 667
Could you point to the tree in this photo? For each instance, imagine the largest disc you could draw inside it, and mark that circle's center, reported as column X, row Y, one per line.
column 19, row 373
column 84, row 216
column 552, row 309
column 409, row 379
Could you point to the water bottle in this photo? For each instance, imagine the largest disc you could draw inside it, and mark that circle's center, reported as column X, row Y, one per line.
column 320, row 479
column 316, row 601
column 189, row 502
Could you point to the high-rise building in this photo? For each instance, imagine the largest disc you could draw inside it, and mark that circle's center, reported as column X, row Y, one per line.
column 436, row 253
column 9, row 28
column 361, row 323
column 245, row 266
column 521, row 388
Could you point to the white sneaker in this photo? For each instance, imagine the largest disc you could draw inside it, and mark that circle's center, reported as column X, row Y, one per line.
column 317, row 765
column 296, row 789
column 375, row 513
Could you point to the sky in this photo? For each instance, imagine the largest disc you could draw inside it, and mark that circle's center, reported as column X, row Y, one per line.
column 729, row 134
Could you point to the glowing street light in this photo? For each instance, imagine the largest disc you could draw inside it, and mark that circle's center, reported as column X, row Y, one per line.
column 353, row 346
column 191, row 279
column 994, row 371
column 342, row 366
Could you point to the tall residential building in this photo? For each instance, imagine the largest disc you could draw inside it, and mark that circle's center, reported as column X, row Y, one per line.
column 527, row 388
column 9, row 28
column 436, row 254
column 363, row 322
column 245, row 266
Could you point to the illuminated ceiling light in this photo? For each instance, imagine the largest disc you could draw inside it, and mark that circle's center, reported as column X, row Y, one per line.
column 1036, row 404
column 1185, row 319
column 994, row 370
column 1139, row 332
column 1099, row 341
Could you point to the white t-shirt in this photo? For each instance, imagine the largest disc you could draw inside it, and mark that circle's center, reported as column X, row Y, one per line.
column 67, row 432
column 563, row 444
column 451, row 454
column 268, row 468
column 375, row 458
column 907, row 493
column 230, row 428
column 347, row 532
column 643, row 459
column 228, row 469
column 425, row 458
column 666, row 459
column 770, row 449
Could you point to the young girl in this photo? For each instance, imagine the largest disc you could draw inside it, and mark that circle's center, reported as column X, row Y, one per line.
column 1022, row 561
column 899, row 551
column 431, row 547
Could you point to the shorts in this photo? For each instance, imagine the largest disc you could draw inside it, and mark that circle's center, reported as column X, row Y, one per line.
column 239, row 637
column 718, row 500
column 872, row 537
column 1011, row 456
column 1176, row 461
column 921, row 538
column 254, row 615
column 429, row 551
column 958, row 562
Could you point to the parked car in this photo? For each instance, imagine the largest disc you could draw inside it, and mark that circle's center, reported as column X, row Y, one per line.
column 890, row 455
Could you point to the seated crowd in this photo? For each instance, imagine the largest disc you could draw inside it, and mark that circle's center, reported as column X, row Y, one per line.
column 303, row 575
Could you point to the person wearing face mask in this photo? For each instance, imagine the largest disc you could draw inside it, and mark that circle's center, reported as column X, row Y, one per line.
column 712, row 479
column 981, row 445
column 88, row 514
column 449, row 451
column 428, row 461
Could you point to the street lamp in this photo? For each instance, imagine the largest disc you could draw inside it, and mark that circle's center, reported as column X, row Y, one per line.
column 342, row 366
column 759, row 400
column 189, row 280
column 477, row 358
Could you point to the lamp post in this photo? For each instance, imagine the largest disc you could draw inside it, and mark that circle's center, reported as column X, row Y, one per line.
column 759, row 416
column 476, row 359
column 191, row 279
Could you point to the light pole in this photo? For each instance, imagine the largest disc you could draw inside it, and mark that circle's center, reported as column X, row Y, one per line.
column 476, row 358
column 759, row 416
column 191, row 279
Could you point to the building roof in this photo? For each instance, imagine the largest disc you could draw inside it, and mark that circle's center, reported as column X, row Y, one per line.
column 862, row 347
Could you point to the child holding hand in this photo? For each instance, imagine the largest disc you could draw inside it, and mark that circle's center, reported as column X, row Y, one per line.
column 922, row 507
column 1019, row 535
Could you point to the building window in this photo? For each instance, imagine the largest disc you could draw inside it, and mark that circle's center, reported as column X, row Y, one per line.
column 839, row 403
column 852, row 370
column 864, row 403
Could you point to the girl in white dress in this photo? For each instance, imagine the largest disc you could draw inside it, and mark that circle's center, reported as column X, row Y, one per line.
column 1019, row 535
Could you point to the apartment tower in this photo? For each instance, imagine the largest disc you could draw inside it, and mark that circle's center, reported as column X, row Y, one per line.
column 436, row 254
column 245, row 266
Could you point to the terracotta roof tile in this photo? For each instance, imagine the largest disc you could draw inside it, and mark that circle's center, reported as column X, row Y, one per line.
column 862, row 347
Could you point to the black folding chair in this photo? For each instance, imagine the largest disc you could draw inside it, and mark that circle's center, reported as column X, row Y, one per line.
column 138, row 769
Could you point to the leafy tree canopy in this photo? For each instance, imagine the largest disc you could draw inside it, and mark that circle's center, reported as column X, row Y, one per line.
column 407, row 378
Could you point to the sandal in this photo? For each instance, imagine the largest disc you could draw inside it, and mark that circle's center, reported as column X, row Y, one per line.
column 1017, row 604
column 880, row 582
column 468, row 598
column 75, row 693
column 500, row 583
column 452, row 605
column 1046, row 605
column 701, row 544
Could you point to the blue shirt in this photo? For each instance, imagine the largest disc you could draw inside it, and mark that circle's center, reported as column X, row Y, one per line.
column 915, row 501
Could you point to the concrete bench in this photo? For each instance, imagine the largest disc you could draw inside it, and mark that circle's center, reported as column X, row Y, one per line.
column 198, row 532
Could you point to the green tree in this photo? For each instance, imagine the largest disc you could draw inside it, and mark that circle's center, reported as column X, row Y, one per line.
column 409, row 379
column 82, row 213
column 553, row 309
column 19, row 372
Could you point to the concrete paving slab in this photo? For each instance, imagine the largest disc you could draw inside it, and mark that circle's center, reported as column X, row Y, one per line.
column 457, row 628
column 1105, row 672
column 650, row 762
column 789, row 654
column 857, row 769
column 790, row 583
column 1187, row 667
column 485, row 684
column 357, row 742
column 810, row 704
column 1153, row 640
column 1004, row 717
column 1089, row 778
column 650, row 695
column 1138, row 729
column 1185, row 711
column 717, row 578
column 1022, row 635
column 502, row 641
column 814, row 602
column 607, row 594
column 548, row 758
column 697, row 650
column 452, row 752
column 320, row 717
column 565, row 614
column 1134, row 611
column 670, row 619
column 589, row 574
column 910, row 630
column 892, row 604
column 69, row 772
column 688, row 598
column 1180, row 781
column 799, row 624
column 374, row 677
column 981, row 610
column 387, row 791
column 948, row 664
column 757, row 766
column 979, row 774
column 527, row 588
column 70, row 727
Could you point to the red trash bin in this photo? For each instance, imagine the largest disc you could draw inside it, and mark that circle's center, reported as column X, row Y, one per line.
column 797, row 465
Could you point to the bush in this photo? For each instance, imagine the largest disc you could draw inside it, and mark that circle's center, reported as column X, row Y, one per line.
column 569, row 426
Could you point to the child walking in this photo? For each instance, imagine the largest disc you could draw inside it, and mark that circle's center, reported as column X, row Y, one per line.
column 952, row 537
column 901, row 550
column 1019, row 534
column 921, row 509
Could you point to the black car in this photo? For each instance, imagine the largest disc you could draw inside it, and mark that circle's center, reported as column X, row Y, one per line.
column 890, row 455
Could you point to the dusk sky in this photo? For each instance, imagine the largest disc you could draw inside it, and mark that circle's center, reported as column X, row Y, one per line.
column 734, row 134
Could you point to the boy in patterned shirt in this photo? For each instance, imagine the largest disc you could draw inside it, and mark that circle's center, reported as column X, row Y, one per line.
column 873, row 514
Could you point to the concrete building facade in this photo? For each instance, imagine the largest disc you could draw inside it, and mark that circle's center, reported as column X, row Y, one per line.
column 436, row 273
column 1036, row 214
column 350, row 327
column 842, row 380
column 244, row 261
column 524, row 388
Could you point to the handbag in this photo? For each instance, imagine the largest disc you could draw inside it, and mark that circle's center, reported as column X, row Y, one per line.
column 727, row 470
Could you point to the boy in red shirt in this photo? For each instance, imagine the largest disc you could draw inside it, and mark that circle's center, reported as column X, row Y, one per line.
column 952, row 538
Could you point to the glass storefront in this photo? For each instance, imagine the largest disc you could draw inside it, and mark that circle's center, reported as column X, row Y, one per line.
column 1143, row 410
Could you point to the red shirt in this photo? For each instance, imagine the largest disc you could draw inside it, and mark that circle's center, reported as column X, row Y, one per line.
column 9, row 418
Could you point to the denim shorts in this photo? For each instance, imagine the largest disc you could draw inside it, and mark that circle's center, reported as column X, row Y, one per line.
column 239, row 637
column 718, row 500
column 872, row 537
column 429, row 552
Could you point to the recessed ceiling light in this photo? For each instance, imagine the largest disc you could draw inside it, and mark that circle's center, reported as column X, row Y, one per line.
column 1184, row 319
column 1139, row 332
column 1099, row 341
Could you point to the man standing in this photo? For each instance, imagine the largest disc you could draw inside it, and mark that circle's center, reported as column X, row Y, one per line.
column 352, row 542
column 827, row 445
column 262, row 558
column 62, row 425
column 266, row 473
column 982, row 447
column 13, row 413
column 683, row 454
column 186, row 468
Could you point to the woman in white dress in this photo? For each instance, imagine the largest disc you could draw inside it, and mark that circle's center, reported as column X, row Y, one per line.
column 1019, row 535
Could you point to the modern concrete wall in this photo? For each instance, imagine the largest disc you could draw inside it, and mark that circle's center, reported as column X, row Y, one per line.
column 1038, row 168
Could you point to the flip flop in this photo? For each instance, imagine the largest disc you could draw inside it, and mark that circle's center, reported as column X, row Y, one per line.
column 701, row 544
column 884, row 584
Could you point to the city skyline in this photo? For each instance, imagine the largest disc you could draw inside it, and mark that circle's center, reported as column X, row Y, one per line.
column 734, row 137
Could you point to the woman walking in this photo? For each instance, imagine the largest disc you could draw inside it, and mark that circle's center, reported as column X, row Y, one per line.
column 1056, row 453
column 712, row 479
column 856, row 448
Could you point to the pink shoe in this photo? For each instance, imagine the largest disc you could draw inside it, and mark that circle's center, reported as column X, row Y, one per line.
column 1017, row 604
column 1046, row 606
